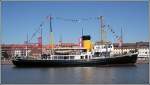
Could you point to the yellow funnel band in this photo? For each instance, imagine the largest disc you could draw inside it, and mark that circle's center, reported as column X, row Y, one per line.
column 87, row 44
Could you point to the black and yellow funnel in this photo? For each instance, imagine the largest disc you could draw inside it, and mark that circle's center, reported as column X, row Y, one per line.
column 86, row 42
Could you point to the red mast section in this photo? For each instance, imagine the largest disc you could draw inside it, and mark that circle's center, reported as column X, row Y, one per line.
column 40, row 39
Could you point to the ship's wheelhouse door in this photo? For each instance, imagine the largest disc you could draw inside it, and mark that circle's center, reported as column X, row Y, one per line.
column 81, row 57
column 86, row 56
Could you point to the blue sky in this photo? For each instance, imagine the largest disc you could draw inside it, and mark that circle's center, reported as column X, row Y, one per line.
column 20, row 18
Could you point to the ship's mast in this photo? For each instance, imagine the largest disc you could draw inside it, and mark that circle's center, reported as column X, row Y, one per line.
column 82, row 31
column 60, row 41
column 81, row 40
column 51, row 35
column 27, row 46
column 102, row 31
column 121, row 42
column 41, row 38
column 103, row 34
column 101, row 28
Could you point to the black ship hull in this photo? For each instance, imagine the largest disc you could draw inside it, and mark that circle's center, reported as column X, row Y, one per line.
column 122, row 60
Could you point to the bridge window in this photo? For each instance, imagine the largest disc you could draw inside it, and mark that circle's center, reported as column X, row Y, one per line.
column 55, row 57
column 97, row 54
column 71, row 57
column 65, row 57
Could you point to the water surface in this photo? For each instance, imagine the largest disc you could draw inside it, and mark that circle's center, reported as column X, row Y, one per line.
column 138, row 74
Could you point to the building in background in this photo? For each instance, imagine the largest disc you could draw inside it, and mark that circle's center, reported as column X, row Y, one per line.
column 10, row 50
column 141, row 47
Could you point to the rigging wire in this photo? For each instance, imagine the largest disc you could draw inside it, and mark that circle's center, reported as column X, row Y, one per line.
column 113, row 32
column 108, row 28
column 37, row 30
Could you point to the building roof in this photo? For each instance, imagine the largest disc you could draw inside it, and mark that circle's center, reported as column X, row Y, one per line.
column 116, row 45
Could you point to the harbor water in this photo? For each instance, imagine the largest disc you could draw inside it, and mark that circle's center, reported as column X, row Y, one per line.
column 137, row 74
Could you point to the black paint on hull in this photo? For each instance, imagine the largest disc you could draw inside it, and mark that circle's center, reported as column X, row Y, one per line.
column 64, row 63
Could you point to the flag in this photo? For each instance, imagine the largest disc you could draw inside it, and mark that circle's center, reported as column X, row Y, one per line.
column 120, row 41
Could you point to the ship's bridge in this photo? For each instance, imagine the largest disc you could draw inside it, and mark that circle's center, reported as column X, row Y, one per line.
column 103, row 47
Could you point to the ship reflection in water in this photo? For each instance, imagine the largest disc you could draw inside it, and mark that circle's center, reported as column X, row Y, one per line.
column 137, row 74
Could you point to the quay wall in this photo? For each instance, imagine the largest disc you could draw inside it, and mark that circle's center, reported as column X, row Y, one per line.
column 142, row 61
column 6, row 62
